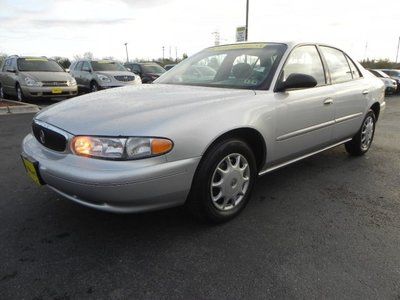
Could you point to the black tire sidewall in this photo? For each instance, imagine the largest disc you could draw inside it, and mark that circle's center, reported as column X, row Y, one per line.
column 202, row 181
column 354, row 146
column 94, row 84
column 22, row 93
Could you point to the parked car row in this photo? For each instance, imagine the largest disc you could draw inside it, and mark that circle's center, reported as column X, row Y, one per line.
column 35, row 77
column 26, row 77
column 391, row 79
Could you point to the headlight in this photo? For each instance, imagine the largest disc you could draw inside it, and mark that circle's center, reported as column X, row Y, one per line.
column 71, row 82
column 120, row 148
column 104, row 78
column 32, row 82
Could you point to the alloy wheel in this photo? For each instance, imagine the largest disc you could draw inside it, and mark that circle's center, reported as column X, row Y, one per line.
column 230, row 181
column 19, row 94
column 367, row 133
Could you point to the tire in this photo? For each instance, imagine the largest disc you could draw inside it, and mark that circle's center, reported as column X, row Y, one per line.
column 19, row 94
column 362, row 141
column 2, row 94
column 94, row 87
column 205, row 201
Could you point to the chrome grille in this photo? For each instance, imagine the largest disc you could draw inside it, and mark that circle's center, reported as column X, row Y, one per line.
column 48, row 137
column 54, row 83
column 125, row 78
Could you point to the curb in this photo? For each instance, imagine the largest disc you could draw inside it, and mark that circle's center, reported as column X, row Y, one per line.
column 19, row 108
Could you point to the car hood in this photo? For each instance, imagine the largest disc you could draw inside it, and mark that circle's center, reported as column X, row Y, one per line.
column 116, row 73
column 137, row 110
column 48, row 76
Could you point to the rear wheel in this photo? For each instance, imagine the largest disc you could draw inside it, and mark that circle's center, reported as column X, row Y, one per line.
column 362, row 141
column 223, row 182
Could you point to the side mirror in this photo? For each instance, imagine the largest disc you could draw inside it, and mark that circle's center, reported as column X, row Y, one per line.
column 296, row 81
column 129, row 69
column 12, row 70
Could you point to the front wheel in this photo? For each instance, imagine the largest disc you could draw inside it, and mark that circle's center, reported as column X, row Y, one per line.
column 20, row 93
column 362, row 141
column 2, row 94
column 223, row 182
column 94, row 87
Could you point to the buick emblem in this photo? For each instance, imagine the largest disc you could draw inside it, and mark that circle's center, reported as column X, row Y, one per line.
column 42, row 137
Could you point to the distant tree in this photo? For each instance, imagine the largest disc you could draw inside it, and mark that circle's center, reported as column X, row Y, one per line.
column 2, row 57
column 63, row 61
column 184, row 56
column 86, row 55
column 379, row 64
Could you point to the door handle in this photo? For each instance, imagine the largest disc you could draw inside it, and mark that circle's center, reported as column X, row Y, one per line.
column 365, row 92
column 328, row 101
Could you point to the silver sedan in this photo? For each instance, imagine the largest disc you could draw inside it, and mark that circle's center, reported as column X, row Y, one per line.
column 202, row 138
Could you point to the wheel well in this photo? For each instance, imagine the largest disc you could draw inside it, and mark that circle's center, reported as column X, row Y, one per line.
column 252, row 137
column 376, row 107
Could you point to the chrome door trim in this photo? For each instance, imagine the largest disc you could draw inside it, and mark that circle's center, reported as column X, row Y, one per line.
column 304, row 130
column 316, row 127
column 273, row 168
column 345, row 118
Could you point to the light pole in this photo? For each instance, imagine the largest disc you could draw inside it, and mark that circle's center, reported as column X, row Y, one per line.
column 247, row 20
column 398, row 47
column 126, row 49
column 163, row 56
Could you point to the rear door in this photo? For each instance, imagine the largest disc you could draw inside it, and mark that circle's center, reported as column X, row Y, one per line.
column 305, row 116
column 351, row 92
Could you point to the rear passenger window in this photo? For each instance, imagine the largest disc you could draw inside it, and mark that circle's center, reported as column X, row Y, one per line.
column 354, row 70
column 337, row 64
column 305, row 60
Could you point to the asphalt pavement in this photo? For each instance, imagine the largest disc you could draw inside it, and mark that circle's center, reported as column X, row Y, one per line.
column 326, row 227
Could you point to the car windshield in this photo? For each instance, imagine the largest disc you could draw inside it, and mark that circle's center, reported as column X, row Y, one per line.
column 106, row 65
column 245, row 66
column 153, row 68
column 38, row 65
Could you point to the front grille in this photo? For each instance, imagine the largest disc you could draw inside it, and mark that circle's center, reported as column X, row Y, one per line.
column 54, row 83
column 125, row 78
column 49, row 138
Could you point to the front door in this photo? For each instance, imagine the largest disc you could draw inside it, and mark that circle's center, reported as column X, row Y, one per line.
column 305, row 117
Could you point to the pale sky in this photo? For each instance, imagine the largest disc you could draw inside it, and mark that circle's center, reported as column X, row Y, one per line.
column 69, row 27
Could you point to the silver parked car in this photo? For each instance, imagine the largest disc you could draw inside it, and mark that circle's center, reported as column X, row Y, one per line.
column 94, row 75
column 35, row 77
column 390, row 84
column 203, row 141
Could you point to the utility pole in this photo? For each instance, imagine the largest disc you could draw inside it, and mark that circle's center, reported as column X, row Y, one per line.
column 176, row 53
column 163, row 50
column 126, row 49
column 398, row 47
column 247, row 20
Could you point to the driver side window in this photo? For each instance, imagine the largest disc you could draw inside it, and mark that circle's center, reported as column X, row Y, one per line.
column 305, row 60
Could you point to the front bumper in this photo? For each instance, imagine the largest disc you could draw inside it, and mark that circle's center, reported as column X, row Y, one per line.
column 114, row 186
column 47, row 92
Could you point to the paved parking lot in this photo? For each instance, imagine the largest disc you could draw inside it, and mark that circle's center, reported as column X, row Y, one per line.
column 328, row 226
